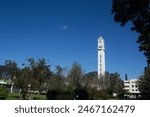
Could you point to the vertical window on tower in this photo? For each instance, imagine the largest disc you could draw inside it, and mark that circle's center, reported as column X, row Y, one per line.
column 100, row 56
column 100, row 69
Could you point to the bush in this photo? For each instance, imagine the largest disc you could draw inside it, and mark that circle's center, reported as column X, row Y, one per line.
column 60, row 95
column 3, row 93
column 81, row 94
column 52, row 95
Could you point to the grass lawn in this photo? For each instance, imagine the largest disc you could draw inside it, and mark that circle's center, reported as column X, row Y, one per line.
column 39, row 97
column 17, row 96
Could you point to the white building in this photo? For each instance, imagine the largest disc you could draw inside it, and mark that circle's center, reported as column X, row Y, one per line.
column 131, row 87
column 2, row 82
column 101, row 57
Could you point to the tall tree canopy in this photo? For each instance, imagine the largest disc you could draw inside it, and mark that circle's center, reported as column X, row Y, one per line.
column 138, row 13
column 76, row 75
column 144, row 84
column 33, row 77
column 11, row 68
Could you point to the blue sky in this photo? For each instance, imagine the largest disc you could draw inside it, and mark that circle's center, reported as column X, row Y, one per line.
column 64, row 31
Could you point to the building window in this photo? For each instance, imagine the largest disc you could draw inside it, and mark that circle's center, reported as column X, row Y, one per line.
column 132, row 89
column 136, row 90
column 136, row 86
column 132, row 85
column 100, row 46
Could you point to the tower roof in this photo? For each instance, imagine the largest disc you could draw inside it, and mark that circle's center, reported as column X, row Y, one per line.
column 100, row 38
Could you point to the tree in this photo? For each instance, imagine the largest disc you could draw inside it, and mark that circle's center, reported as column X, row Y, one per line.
column 90, row 79
column 90, row 82
column 57, row 87
column 3, row 73
column 138, row 13
column 75, row 78
column 144, row 84
column 23, row 82
column 75, row 75
column 60, row 72
column 116, row 84
column 11, row 70
column 40, row 71
column 33, row 77
column 57, row 80
column 104, row 82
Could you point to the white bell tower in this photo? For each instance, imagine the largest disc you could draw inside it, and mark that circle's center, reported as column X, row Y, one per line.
column 101, row 57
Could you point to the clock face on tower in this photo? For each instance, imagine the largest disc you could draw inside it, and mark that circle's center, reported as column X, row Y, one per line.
column 100, row 47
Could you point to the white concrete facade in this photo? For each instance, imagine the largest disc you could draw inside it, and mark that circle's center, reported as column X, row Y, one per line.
column 3, row 82
column 101, row 57
column 131, row 86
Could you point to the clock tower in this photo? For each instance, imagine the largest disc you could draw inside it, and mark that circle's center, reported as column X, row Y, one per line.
column 101, row 57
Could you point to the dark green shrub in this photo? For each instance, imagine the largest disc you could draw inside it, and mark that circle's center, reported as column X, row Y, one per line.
column 81, row 94
column 3, row 93
column 52, row 95
column 60, row 95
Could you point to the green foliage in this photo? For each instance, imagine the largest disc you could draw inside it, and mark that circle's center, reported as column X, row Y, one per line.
column 3, row 93
column 75, row 75
column 105, row 87
column 60, row 72
column 138, row 13
column 60, row 95
column 36, row 76
column 11, row 68
column 23, row 80
column 144, row 85
column 40, row 71
column 77, row 94
column 33, row 77
column 81, row 94
column 95, row 94
column 56, row 83
column 116, row 84
column 2, row 71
